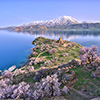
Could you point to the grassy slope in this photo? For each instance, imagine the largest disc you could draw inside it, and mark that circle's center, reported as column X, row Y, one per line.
column 83, row 87
column 72, row 50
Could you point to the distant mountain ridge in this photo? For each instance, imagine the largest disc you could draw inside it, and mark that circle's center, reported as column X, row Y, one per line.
column 63, row 20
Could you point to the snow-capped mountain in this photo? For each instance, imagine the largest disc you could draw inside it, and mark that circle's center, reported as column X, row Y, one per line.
column 87, row 22
column 63, row 20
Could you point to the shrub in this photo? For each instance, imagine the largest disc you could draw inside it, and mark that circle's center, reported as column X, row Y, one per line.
column 52, row 51
column 7, row 74
column 48, row 86
column 8, row 90
column 47, row 63
column 89, row 56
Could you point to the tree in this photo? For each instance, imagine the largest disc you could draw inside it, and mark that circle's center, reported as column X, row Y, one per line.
column 89, row 56
column 48, row 86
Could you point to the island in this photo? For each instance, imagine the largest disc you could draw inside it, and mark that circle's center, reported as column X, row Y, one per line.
column 56, row 70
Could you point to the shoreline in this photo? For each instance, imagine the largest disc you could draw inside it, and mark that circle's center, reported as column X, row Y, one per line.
column 50, row 58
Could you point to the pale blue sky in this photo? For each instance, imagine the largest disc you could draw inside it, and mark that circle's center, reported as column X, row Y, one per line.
column 16, row 12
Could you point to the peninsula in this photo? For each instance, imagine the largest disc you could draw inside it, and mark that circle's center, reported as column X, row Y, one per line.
column 56, row 71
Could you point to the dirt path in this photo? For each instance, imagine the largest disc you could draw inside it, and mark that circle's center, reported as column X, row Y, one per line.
column 41, row 53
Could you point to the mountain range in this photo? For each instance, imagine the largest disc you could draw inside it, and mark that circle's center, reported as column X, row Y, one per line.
column 63, row 22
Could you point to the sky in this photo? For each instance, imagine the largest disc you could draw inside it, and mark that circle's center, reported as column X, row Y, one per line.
column 17, row 12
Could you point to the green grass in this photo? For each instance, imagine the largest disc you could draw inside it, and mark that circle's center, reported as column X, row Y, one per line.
column 30, row 80
column 37, row 66
column 74, row 96
column 45, row 54
column 38, row 51
column 84, row 79
column 22, row 68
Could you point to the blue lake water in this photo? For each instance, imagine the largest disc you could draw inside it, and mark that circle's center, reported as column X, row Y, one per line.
column 15, row 47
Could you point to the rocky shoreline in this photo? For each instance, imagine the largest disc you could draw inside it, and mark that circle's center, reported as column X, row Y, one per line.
column 54, row 71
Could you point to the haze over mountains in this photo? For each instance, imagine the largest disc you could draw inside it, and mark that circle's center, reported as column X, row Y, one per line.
column 63, row 22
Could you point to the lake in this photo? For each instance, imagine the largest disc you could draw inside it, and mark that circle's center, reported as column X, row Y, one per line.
column 16, row 47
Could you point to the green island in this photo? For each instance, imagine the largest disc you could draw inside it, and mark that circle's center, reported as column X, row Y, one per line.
column 58, row 60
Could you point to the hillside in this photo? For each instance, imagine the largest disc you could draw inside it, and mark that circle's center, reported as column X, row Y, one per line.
column 54, row 72
column 63, row 22
column 78, row 26
column 83, row 26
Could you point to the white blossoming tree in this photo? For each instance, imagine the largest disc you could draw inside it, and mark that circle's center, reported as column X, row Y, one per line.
column 48, row 86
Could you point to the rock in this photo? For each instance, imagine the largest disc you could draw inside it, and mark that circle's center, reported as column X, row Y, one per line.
column 78, row 61
column 74, row 62
column 73, row 73
column 62, row 71
column 69, row 77
column 52, row 51
column 70, row 64
column 43, row 72
column 38, row 74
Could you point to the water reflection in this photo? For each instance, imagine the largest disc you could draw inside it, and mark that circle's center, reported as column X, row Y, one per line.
column 85, row 38
column 15, row 46
column 65, row 35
